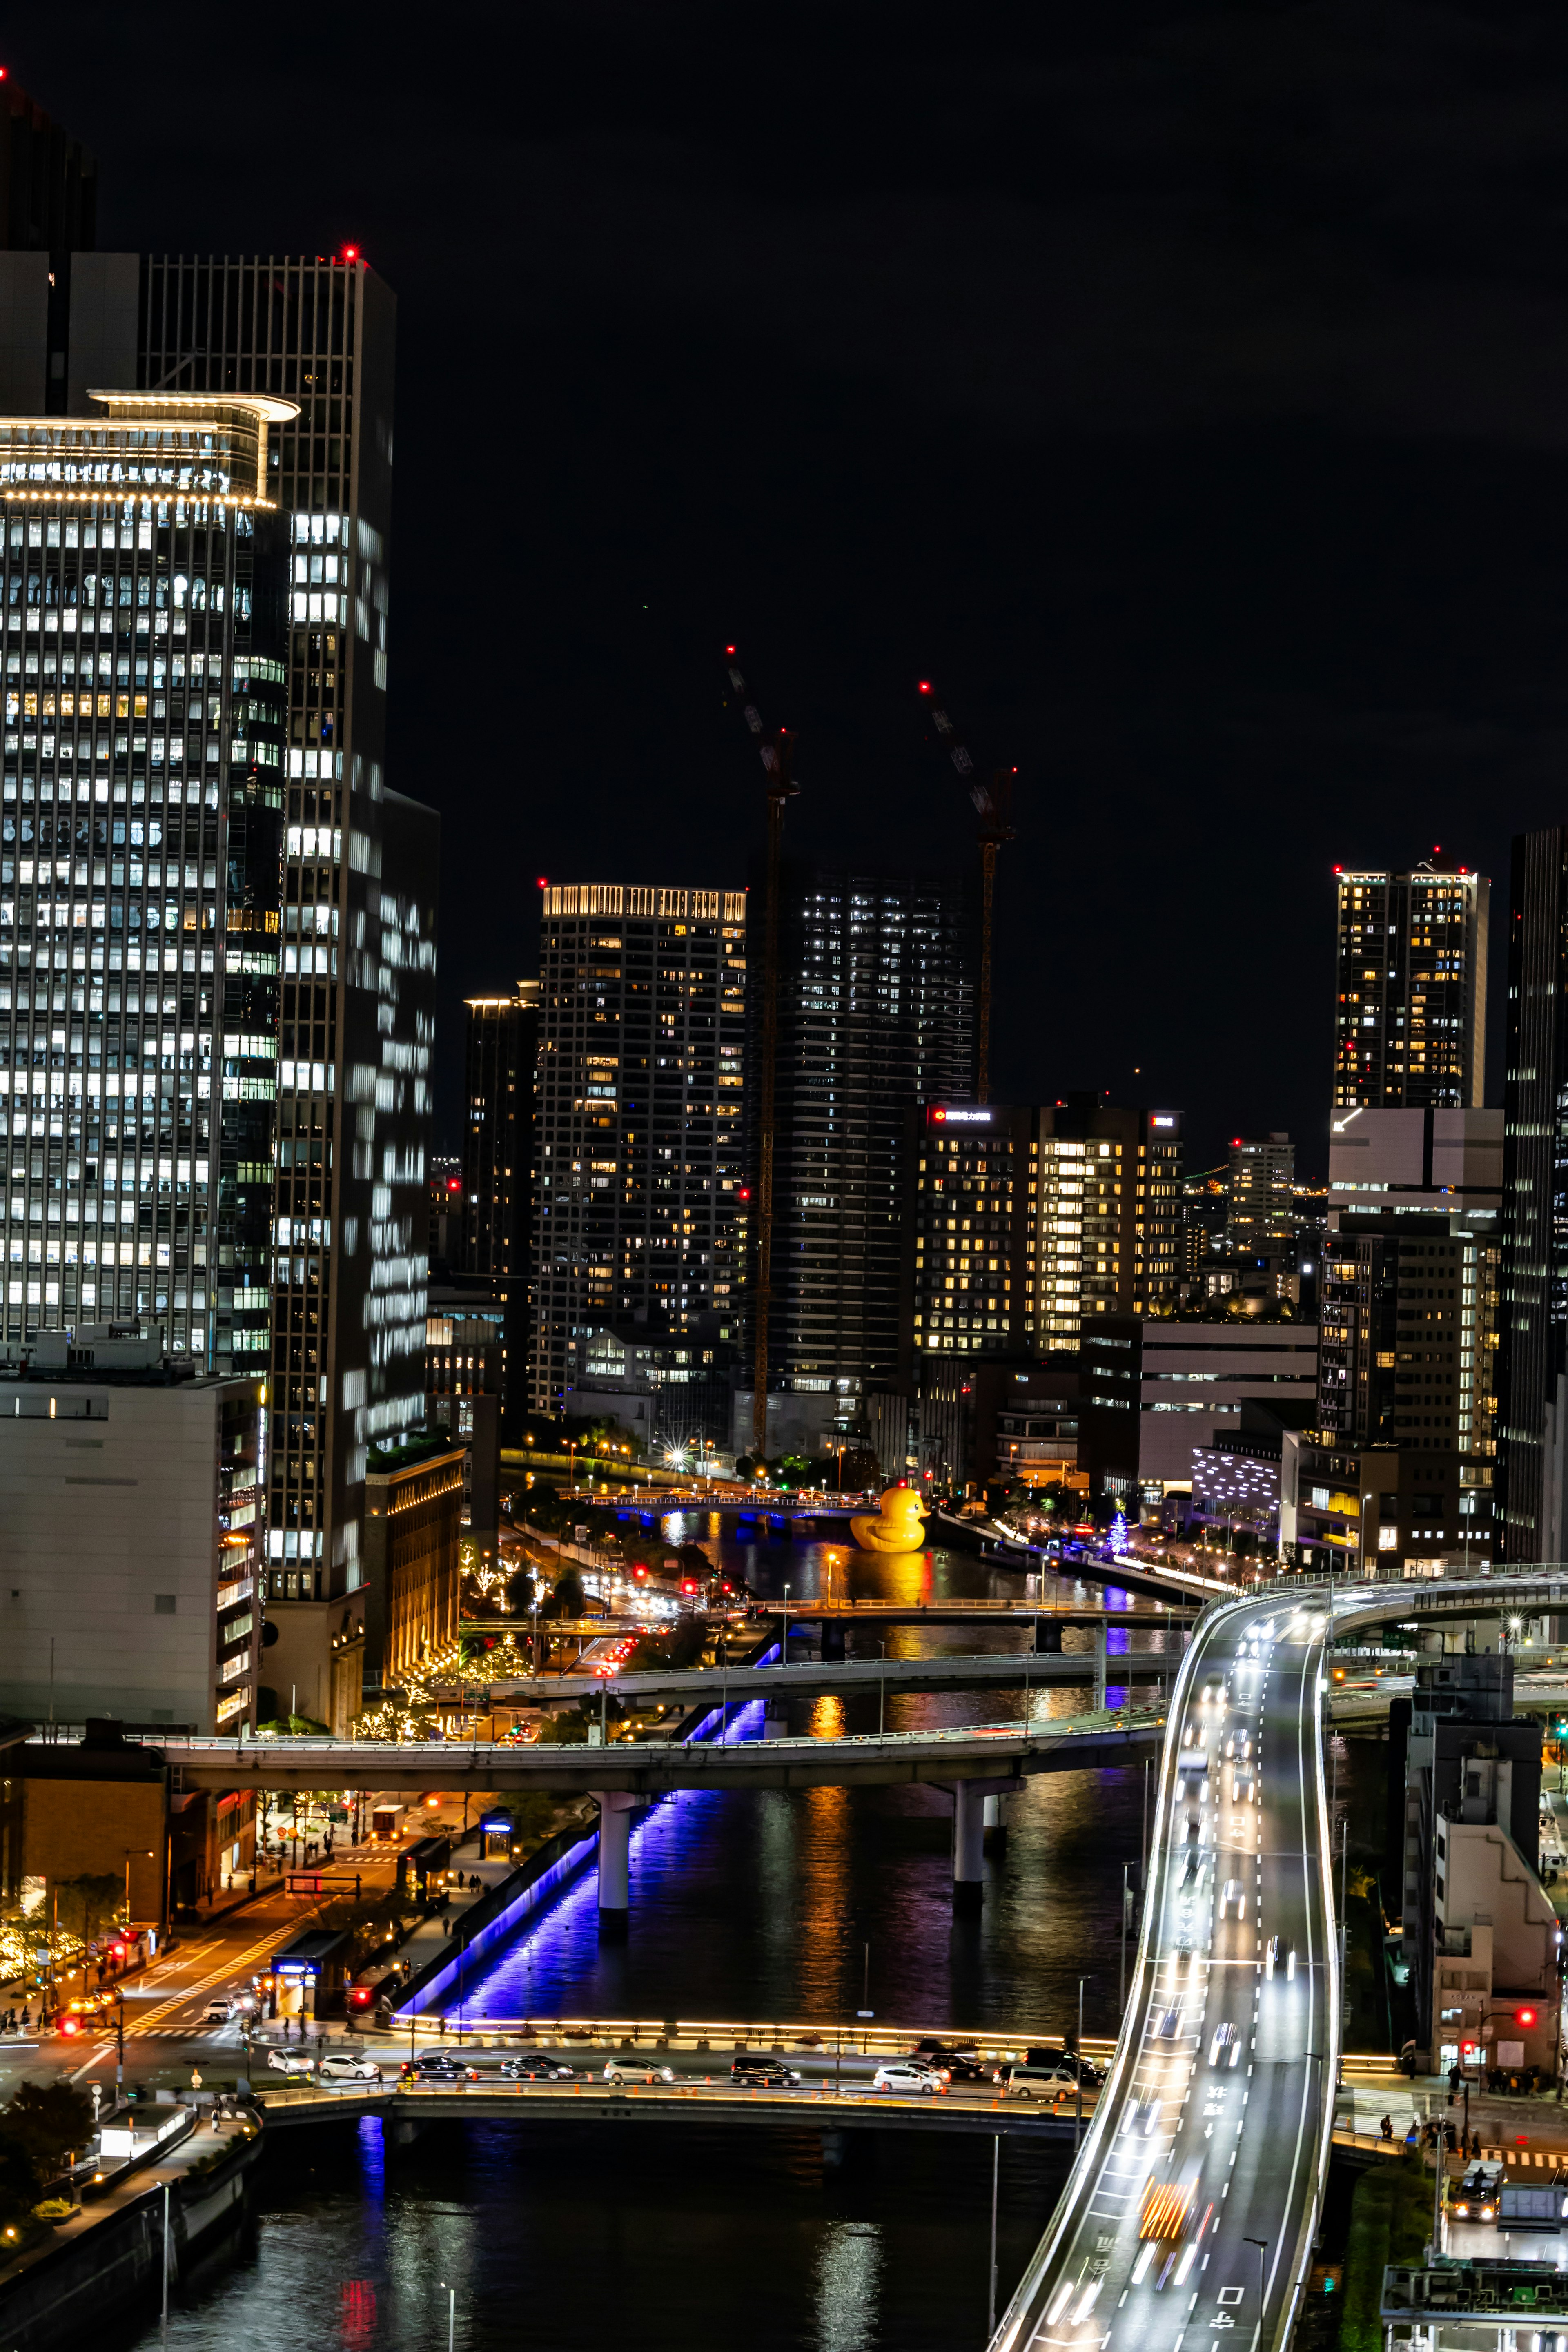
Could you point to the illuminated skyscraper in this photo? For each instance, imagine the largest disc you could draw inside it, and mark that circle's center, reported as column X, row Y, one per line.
column 1411, row 978
column 642, row 995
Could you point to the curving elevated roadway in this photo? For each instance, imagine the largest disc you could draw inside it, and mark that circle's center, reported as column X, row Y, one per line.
column 1187, row 2223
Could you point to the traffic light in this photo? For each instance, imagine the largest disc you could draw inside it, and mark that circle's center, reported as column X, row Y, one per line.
column 1524, row 2017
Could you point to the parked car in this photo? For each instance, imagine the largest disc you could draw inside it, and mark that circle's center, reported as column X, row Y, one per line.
column 905, row 2074
column 284, row 2061
column 348, row 2066
column 762, row 2073
column 536, row 2068
column 636, row 2070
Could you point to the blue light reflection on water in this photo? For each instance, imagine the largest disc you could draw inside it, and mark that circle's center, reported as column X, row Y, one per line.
column 559, row 1945
column 760, row 1905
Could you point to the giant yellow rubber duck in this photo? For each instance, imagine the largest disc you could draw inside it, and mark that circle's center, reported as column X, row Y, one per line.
column 895, row 1527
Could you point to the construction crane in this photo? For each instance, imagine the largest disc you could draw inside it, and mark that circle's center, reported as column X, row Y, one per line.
column 993, row 805
column 777, row 750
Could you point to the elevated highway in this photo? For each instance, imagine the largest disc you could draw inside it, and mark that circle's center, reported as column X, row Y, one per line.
column 1191, row 2209
column 989, row 1752
column 1011, row 1669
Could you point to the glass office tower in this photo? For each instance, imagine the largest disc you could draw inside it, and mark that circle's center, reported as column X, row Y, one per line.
column 140, row 884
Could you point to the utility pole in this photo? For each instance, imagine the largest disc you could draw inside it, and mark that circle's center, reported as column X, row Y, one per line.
column 777, row 756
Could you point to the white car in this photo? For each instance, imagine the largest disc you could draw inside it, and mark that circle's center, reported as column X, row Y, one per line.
column 1225, row 2047
column 1231, row 1893
column 346, row 2066
column 629, row 2070
column 899, row 2075
column 290, row 2061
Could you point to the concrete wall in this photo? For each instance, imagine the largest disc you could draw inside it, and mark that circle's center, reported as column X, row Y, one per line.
column 109, row 1555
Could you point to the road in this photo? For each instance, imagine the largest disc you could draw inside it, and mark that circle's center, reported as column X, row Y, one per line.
column 804, row 1677
column 651, row 1767
column 1215, row 2095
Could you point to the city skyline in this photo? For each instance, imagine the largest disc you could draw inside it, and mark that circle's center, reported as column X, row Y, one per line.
column 1261, row 692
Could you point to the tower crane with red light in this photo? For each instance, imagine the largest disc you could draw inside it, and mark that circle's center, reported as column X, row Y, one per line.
column 993, row 806
column 777, row 750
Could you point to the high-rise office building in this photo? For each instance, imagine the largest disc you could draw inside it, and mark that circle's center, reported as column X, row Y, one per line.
column 498, row 1135
column 360, row 878
column 642, row 994
column 140, row 883
column 1262, row 1178
column 1022, row 1224
column 1534, row 1369
column 351, row 1044
column 876, row 1013
column 1410, row 981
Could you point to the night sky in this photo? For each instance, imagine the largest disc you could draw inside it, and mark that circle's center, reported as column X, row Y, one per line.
column 1184, row 390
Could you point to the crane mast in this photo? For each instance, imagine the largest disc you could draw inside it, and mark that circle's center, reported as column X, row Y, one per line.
column 777, row 756
column 993, row 806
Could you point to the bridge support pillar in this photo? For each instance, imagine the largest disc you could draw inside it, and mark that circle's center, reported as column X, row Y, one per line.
column 968, row 1845
column 775, row 1721
column 402, row 2130
column 995, row 1820
column 1099, row 1663
column 1048, row 1638
column 832, row 1642
column 615, row 1853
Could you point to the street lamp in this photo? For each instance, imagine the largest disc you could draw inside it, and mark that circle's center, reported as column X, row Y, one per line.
column 451, row 2312
column 784, row 1646
column 881, row 1687
column 1262, row 2246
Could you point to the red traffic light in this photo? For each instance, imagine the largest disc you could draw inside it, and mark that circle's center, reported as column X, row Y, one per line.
column 1524, row 2017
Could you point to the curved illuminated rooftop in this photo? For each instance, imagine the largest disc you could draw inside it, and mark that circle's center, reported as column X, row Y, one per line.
column 265, row 405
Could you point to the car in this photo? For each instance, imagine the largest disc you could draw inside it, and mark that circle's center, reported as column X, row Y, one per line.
column 1475, row 2198
column 762, row 2074
column 219, row 2012
column 348, row 2066
column 959, row 2066
column 905, row 2074
column 290, row 2061
column 536, row 2069
column 1231, row 1893
column 438, row 2066
column 1225, row 2048
column 636, row 2070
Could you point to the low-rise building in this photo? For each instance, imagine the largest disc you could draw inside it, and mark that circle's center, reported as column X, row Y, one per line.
column 128, row 1545
column 1152, row 1389
column 413, row 1527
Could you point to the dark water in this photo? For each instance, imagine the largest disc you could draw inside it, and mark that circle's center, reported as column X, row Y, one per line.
column 567, row 2238
column 749, row 1908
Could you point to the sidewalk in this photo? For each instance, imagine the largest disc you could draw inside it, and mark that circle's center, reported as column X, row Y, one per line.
column 1529, row 2133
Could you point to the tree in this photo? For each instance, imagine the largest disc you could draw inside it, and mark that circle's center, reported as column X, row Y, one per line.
column 47, row 2121
column 569, row 1595
column 18, row 2179
column 519, row 1592
column 85, row 1902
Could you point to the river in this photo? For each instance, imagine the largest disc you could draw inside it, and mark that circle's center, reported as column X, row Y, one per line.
column 806, row 1905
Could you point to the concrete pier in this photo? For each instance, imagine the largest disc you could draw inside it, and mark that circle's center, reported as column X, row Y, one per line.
column 968, row 1845
column 615, row 1853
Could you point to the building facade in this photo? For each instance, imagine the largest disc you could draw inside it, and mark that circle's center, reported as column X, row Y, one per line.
column 139, row 899
column 1023, row 1225
column 1411, row 989
column 1262, row 1195
column 1535, row 1196
column 413, row 1513
column 637, row 1169
column 1152, row 1389
column 129, row 1495
column 497, row 1196
column 875, row 1014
